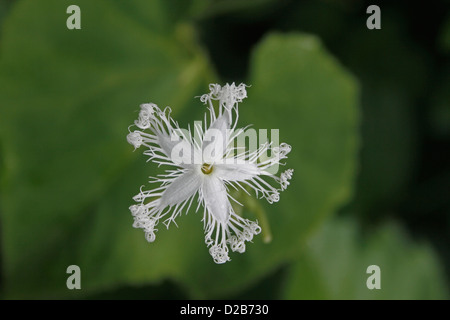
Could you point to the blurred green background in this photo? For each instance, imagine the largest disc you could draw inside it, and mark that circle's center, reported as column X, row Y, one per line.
column 367, row 113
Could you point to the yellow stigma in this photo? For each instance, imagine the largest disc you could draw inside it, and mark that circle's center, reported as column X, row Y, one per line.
column 207, row 168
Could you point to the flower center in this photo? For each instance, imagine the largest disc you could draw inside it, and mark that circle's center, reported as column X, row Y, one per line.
column 207, row 168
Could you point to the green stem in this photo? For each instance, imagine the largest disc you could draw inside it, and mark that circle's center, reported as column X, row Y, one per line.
column 254, row 206
column 260, row 213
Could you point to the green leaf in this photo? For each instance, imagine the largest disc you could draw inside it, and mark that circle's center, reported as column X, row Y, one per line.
column 298, row 88
column 67, row 98
column 68, row 175
column 334, row 265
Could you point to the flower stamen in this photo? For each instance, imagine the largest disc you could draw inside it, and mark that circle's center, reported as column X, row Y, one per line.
column 207, row 168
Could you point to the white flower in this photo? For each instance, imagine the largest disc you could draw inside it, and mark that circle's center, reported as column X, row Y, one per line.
column 204, row 165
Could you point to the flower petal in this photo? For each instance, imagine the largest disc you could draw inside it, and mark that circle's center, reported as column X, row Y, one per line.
column 166, row 142
column 215, row 139
column 216, row 200
column 181, row 188
column 180, row 151
column 236, row 171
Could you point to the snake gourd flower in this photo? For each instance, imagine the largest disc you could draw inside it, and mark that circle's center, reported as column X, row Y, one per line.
column 204, row 164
